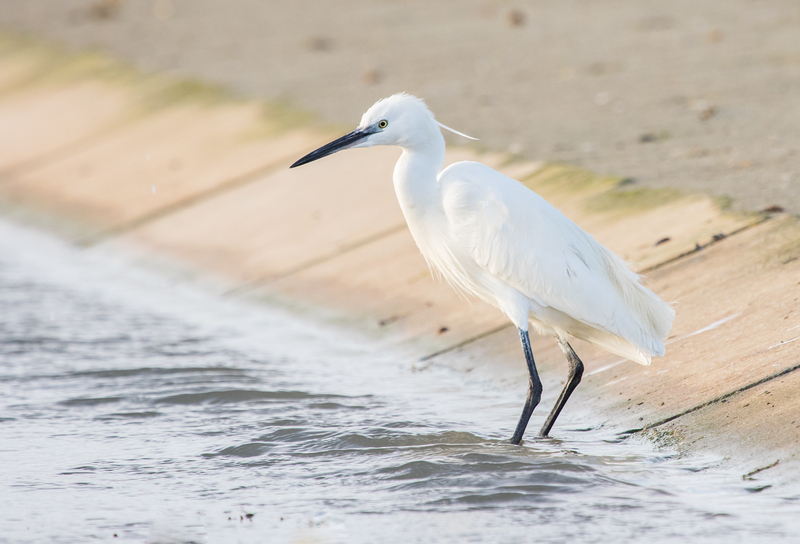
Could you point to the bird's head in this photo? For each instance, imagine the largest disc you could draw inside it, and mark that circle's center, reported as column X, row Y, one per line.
column 400, row 119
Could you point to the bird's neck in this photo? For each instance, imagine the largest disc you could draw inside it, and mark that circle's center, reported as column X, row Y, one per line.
column 415, row 180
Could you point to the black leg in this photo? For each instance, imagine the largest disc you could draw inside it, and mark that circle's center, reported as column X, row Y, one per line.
column 534, row 389
column 573, row 379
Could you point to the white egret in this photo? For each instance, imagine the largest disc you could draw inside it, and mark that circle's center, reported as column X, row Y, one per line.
column 490, row 236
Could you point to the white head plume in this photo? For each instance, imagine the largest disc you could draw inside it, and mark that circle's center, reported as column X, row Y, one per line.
column 455, row 131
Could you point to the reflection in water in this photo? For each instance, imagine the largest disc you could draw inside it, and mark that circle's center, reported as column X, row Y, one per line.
column 138, row 408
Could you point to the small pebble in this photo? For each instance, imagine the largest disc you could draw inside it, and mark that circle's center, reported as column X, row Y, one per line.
column 371, row 77
column 516, row 18
column 663, row 240
column 320, row 43
column 105, row 9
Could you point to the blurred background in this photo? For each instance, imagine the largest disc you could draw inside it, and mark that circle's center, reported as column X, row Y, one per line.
column 698, row 95
column 359, row 398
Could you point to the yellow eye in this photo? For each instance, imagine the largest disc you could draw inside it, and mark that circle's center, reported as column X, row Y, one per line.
column 383, row 124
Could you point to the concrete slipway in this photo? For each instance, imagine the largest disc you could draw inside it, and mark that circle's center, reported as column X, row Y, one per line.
column 185, row 173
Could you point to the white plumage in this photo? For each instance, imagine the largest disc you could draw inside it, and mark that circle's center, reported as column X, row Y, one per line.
column 571, row 284
column 490, row 236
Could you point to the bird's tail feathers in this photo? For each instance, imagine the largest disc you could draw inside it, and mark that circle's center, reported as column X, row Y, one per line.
column 651, row 317
column 614, row 344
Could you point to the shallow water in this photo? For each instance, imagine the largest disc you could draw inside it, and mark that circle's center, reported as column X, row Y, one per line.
column 135, row 408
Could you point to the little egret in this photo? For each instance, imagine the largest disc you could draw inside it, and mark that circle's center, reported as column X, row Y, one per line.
column 490, row 236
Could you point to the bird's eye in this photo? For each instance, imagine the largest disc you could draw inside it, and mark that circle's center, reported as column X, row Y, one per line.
column 383, row 124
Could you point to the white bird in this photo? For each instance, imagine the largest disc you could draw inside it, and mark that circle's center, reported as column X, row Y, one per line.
column 490, row 236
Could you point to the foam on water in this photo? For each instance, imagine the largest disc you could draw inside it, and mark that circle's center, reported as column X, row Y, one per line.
column 143, row 408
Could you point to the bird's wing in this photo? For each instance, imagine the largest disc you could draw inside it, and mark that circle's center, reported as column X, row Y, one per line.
column 517, row 236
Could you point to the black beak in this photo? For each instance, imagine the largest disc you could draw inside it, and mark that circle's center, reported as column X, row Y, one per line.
column 344, row 142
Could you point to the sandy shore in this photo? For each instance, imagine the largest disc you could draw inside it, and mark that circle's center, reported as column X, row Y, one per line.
column 702, row 97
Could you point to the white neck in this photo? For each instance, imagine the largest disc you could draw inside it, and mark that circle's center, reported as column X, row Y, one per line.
column 415, row 179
